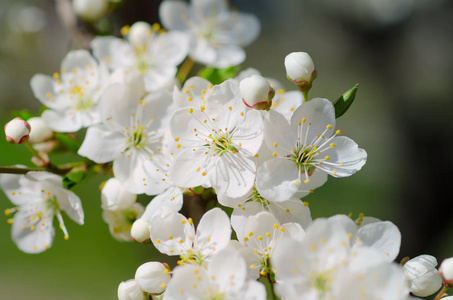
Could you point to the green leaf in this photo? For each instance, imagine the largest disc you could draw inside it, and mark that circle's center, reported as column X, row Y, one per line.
column 217, row 76
column 75, row 176
column 24, row 114
column 345, row 101
column 67, row 141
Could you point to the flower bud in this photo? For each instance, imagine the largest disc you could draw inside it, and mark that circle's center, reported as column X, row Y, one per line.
column 140, row 231
column 256, row 92
column 153, row 277
column 129, row 290
column 17, row 131
column 40, row 132
column 139, row 34
column 90, row 10
column 424, row 279
column 300, row 70
column 115, row 197
column 446, row 271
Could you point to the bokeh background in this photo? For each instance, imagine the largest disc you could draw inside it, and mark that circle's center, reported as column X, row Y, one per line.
column 399, row 51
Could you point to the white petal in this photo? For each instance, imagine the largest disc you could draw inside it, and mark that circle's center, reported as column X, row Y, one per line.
column 41, row 86
column 287, row 103
column 277, row 134
column 346, row 152
column 171, row 14
column 189, row 168
column 172, row 197
column 229, row 270
column 35, row 236
column 383, row 236
column 67, row 121
column 320, row 113
column 233, row 175
column 250, row 133
column 171, row 233
column 102, row 145
column 276, row 179
column 213, row 231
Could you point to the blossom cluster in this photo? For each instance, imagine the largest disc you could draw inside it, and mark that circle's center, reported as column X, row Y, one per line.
column 243, row 142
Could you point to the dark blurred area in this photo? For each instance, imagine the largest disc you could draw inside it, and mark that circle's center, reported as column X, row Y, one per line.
column 399, row 51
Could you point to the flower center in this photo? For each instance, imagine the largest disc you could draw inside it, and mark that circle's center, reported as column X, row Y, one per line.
column 321, row 282
column 82, row 102
column 193, row 257
column 221, row 143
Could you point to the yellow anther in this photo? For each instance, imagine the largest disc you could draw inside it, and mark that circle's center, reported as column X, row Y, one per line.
column 282, row 229
column 297, row 182
column 156, row 27
column 125, row 30
column 287, row 210
column 357, row 240
column 329, row 127
column 157, row 241
column 56, row 76
column 341, row 164
column 178, row 146
column 187, row 91
column 350, row 236
column 198, row 169
column 202, row 108
column 183, row 221
column 242, row 113
column 162, row 285
column 275, row 144
column 250, row 234
column 32, row 227
column 10, row 221
column 230, row 108
column 166, row 271
column 338, row 132
column 170, row 237
column 303, row 120
column 334, row 172
column 66, row 237
column 204, row 173
column 191, row 110
column 280, row 91
column 252, row 266
column 306, row 204
column 176, row 139
column 306, row 180
column 246, row 239
column 313, row 246
column 189, row 99
column 332, row 145
column 268, row 234
column 274, row 154
column 260, row 238
column 275, row 226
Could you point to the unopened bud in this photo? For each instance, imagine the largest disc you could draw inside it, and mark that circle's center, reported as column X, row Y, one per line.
column 115, row 197
column 256, row 92
column 140, row 231
column 153, row 277
column 446, row 271
column 90, row 10
column 424, row 279
column 40, row 132
column 300, row 70
column 139, row 34
column 17, row 131
column 129, row 290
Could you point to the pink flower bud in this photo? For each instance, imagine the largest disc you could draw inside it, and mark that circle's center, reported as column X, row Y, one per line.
column 446, row 271
column 256, row 92
column 300, row 70
column 40, row 131
column 140, row 231
column 17, row 131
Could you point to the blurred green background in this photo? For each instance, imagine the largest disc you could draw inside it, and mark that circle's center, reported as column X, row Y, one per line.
column 400, row 52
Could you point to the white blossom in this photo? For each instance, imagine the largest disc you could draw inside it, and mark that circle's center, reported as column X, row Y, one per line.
column 217, row 34
column 224, row 278
column 174, row 234
column 309, row 145
column 218, row 142
column 153, row 53
column 39, row 198
column 73, row 94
